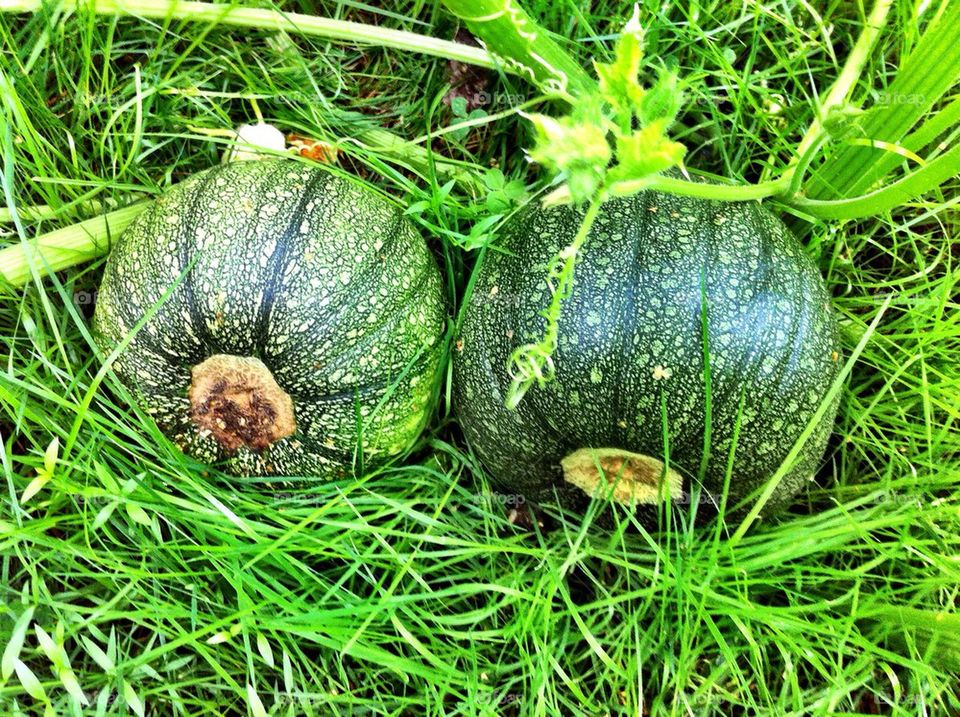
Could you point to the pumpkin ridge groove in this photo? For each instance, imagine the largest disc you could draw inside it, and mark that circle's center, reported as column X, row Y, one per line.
column 186, row 250
column 629, row 308
column 278, row 260
column 764, row 287
column 333, row 315
column 770, row 286
column 396, row 313
column 392, row 233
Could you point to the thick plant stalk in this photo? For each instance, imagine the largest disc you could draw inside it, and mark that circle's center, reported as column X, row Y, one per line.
column 672, row 185
column 522, row 46
column 65, row 247
column 887, row 197
column 266, row 19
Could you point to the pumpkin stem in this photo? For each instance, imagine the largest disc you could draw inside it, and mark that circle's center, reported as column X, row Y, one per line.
column 634, row 477
column 237, row 401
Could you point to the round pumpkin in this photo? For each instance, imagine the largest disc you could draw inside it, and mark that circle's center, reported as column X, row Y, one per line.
column 690, row 323
column 275, row 319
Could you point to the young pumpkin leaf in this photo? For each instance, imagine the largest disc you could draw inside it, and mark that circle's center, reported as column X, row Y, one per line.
column 662, row 102
column 618, row 80
column 575, row 146
column 646, row 151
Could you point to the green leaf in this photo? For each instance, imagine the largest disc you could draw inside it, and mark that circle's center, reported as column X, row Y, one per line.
column 256, row 706
column 51, row 649
column 103, row 473
column 103, row 700
column 494, row 179
column 98, row 655
column 514, row 190
column 50, row 455
column 132, row 699
column 574, row 146
column 460, row 133
column 29, row 681
column 103, row 515
column 12, row 651
column 137, row 514
column 619, row 80
column 218, row 638
column 843, row 122
column 289, row 684
column 34, row 486
column 72, row 686
column 503, row 197
column 645, row 152
column 662, row 102
column 479, row 234
column 263, row 647
column 417, row 207
column 458, row 105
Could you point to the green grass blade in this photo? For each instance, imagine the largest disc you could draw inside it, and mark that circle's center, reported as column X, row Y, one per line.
column 930, row 71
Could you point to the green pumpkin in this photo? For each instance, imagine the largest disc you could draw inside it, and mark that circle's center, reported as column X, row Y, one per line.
column 630, row 362
column 292, row 318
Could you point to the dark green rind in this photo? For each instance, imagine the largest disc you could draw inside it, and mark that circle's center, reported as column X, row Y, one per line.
column 636, row 305
column 326, row 283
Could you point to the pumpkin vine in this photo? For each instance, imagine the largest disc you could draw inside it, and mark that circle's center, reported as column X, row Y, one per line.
column 615, row 132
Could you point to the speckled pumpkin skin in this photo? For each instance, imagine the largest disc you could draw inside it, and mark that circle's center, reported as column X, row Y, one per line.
column 631, row 337
column 326, row 283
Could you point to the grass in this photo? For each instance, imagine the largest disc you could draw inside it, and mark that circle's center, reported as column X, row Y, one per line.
column 166, row 588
